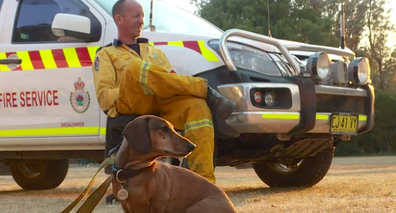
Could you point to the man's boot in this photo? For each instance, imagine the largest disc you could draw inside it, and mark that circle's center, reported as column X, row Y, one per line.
column 221, row 106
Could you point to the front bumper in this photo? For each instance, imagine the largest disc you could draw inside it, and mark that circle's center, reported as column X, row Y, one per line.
column 309, row 111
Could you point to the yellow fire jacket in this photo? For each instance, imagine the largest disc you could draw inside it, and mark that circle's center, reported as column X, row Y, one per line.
column 110, row 63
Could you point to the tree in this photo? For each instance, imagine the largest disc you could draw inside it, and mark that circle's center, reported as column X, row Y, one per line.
column 198, row 4
column 354, row 10
column 379, row 26
column 355, row 22
column 287, row 20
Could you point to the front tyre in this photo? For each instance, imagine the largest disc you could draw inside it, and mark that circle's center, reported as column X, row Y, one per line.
column 39, row 174
column 306, row 173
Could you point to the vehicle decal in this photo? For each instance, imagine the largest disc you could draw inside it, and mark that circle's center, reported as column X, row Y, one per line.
column 52, row 58
column 198, row 46
column 281, row 116
column 29, row 99
column 84, row 56
column 52, row 131
column 72, row 124
column 172, row 70
column 80, row 99
column 297, row 116
column 87, row 130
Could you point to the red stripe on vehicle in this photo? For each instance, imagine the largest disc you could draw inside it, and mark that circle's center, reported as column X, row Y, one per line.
column 59, row 58
column 83, row 56
column 161, row 43
column 36, row 60
column 192, row 45
column 8, row 55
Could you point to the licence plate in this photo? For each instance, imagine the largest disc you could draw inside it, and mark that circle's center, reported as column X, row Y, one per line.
column 344, row 123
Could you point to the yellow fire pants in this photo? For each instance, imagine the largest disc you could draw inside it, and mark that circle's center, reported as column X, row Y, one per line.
column 149, row 89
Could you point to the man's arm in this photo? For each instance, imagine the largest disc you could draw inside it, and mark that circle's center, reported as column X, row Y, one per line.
column 105, row 80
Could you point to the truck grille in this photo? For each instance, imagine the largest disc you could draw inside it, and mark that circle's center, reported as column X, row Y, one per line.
column 337, row 103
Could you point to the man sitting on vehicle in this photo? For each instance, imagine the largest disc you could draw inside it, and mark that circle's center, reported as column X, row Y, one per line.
column 132, row 77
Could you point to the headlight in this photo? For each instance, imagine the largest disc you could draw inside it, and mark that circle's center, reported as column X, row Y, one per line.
column 269, row 98
column 249, row 58
column 359, row 71
column 319, row 66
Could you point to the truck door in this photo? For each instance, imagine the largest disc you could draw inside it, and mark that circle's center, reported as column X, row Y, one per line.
column 51, row 92
column 2, row 16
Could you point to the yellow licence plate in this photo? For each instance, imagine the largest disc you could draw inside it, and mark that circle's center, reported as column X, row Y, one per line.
column 344, row 124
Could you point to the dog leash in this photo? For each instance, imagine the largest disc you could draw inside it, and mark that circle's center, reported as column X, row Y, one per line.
column 97, row 195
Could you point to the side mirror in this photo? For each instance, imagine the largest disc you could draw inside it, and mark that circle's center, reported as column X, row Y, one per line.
column 72, row 26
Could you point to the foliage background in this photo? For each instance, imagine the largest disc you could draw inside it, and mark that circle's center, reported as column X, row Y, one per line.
column 369, row 33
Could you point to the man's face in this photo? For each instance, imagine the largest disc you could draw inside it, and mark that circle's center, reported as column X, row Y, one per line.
column 131, row 21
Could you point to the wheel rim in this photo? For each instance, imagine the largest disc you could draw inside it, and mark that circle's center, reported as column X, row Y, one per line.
column 31, row 169
column 285, row 169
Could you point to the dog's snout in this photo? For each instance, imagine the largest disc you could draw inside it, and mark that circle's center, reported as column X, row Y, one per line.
column 190, row 147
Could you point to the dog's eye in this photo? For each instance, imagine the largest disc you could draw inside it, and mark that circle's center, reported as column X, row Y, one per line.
column 165, row 129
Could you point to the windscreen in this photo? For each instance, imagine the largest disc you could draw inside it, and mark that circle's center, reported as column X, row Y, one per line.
column 169, row 18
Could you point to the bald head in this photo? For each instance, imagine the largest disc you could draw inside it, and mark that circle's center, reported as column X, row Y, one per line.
column 119, row 6
column 129, row 18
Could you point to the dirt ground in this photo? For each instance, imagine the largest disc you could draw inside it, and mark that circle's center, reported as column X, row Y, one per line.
column 353, row 184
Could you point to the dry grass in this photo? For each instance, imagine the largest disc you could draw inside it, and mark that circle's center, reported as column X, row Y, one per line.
column 366, row 184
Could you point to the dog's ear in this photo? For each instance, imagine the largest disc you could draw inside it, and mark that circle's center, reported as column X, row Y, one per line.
column 137, row 134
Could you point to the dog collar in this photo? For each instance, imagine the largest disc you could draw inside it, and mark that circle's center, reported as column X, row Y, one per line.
column 122, row 175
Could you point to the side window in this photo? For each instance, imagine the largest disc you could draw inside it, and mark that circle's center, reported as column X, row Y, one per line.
column 34, row 19
column 1, row 3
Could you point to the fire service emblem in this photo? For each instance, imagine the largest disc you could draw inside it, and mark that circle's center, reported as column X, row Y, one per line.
column 79, row 99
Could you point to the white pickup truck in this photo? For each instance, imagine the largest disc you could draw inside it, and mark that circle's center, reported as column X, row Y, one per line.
column 295, row 102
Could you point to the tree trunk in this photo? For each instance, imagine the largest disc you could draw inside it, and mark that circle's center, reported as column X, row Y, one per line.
column 381, row 75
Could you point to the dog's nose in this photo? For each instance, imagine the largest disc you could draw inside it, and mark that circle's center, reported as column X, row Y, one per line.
column 190, row 147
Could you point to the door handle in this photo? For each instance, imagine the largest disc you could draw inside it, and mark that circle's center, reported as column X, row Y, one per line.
column 11, row 61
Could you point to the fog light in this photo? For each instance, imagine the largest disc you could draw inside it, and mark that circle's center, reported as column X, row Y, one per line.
column 360, row 71
column 258, row 97
column 319, row 65
column 269, row 98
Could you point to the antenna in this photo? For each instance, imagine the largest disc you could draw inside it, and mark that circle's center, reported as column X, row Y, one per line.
column 269, row 24
column 152, row 27
column 342, row 26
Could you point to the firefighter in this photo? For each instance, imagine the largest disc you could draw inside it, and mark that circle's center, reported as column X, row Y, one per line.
column 132, row 77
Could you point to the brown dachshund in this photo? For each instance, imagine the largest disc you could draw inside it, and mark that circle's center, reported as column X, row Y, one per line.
column 156, row 187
